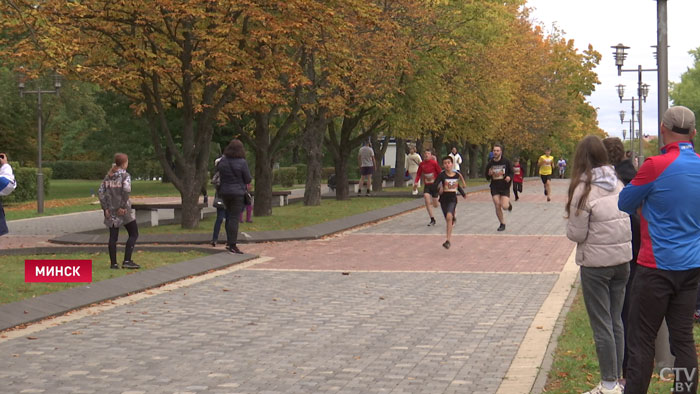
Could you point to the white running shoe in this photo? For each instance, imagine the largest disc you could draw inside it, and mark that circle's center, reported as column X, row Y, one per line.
column 599, row 389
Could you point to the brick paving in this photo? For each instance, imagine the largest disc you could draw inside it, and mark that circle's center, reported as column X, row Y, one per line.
column 383, row 309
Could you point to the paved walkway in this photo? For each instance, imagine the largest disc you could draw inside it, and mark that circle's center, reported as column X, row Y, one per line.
column 380, row 309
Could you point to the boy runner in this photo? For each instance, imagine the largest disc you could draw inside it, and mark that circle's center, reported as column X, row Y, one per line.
column 562, row 167
column 429, row 171
column 545, row 163
column 517, row 179
column 499, row 171
column 448, row 186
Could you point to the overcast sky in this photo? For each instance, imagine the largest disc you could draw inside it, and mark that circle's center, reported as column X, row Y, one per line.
column 604, row 23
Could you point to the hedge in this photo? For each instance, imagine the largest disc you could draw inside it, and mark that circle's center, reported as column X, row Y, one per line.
column 301, row 172
column 287, row 176
column 73, row 169
column 26, row 184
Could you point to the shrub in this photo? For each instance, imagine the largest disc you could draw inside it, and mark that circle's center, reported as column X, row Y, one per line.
column 26, row 184
column 287, row 176
column 74, row 169
column 301, row 172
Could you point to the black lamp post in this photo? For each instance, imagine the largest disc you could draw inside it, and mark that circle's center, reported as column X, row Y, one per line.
column 642, row 88
column 39, row 92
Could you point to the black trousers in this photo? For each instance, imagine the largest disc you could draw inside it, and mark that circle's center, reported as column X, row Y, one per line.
column 517, row 187
column 133, row 230
column 234, row 207
column 3, row 224
column 657, row 294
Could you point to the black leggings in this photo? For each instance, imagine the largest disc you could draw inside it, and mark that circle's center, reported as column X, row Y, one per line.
column 133, row 231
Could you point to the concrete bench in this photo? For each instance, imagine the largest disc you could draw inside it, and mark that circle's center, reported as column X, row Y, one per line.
column 147, row 213
column 280, row 198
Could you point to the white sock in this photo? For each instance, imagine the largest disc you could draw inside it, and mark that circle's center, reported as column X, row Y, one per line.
column 609, row 385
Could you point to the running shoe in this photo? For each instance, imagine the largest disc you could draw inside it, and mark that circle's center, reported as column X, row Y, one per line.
column 510, row 207
column 446, row 245
column 114, row 266
column 212, row 243
column 548, row 199
column 128, row 264
column 599, row 389
column 432, row 222
column 502, row 227
column 234, row 249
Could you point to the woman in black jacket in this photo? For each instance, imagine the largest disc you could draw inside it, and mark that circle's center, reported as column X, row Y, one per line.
column 235, row 177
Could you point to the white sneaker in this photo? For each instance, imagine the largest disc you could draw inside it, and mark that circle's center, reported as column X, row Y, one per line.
column 415, row 192
column 599, row 389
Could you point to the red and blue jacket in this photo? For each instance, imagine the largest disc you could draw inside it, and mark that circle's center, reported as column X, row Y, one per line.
column 666, row 188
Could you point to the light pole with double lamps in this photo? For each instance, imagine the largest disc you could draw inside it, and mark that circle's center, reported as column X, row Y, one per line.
column 642, row 88
column 39, row 92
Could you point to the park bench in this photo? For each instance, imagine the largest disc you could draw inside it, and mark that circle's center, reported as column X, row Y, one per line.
column 280, row 198
column 147, row 213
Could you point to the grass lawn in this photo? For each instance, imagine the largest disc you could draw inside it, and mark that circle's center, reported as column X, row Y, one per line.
column 13, row 288
column 292, row 216
column 75, row 195
column 575, row 367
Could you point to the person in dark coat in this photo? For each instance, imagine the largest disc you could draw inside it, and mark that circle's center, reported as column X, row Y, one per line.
column 235, row 180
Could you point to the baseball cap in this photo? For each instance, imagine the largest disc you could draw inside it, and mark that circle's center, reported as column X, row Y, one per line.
column 679, row 119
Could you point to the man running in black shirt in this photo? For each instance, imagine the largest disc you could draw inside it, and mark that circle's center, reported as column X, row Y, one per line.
column 500, row 172
column 448, row 185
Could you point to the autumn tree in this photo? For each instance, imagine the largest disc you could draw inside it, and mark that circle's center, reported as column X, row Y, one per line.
column 198, row 58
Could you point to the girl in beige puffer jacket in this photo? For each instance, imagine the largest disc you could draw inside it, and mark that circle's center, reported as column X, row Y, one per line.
column 603, row 249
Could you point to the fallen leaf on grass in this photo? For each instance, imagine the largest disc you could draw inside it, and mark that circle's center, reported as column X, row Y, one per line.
column 32, row 338
column 76, row 333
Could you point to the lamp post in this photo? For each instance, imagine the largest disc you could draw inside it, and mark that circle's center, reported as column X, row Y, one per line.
column 39, row 92
column 621, row 94
column 624, row 132
column 642, row 88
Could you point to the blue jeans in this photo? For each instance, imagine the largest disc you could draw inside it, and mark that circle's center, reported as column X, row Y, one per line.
column 3, row 224
column 220, row 216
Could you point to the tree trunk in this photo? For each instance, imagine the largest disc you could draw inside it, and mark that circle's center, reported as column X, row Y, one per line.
column 484, row 159
column 399, row 166
column 263, row 168
column 342, row 191
column 437, row 145
column 314, row 130
column 379, row 151
column 190, row 202
column 473, row 161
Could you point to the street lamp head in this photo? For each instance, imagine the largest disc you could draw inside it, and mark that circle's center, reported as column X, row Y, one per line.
column 620, row 56
column 645, row 91
column 622, row 116
column 621, row 91
column 624, row 134
column 20, row 80
column 56, row 81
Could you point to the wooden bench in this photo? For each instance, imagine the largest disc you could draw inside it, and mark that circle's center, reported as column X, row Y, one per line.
column 280, row 198
column 147, row 213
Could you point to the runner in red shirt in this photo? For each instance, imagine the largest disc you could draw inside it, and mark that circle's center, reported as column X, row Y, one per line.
column 517, row 178
column 429, row 170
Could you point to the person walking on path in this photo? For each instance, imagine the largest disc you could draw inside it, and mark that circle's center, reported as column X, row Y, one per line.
column 625, row 171
column 367, row 163
column 114, row 198
column 500, row 172
column 235, row 179
column 456, row 159
column 603, row 249
column 665, row 191
column 7, row 185
column 218, row 204
column 412, row 162
column 545, row 163
column 562, row 167
column 517, row 178
column 427, row 174
column 448, row 185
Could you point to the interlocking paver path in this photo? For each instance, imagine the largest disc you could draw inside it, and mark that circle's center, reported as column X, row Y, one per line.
column 383, row 309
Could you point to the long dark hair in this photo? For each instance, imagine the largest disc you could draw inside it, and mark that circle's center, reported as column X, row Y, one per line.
column 616, row 151
column 590, row 153
column 235, row 149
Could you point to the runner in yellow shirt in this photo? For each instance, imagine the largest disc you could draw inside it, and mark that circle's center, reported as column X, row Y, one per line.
column 545, row 163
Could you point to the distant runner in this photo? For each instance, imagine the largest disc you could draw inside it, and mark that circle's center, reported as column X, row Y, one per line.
column 428, row 171
column 448, row 185
column 545, row 163
column 500, row 172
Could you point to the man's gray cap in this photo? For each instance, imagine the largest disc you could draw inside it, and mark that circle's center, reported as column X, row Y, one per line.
column 679, row 119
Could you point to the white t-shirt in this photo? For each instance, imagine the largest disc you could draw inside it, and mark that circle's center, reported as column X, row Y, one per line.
column 366, row 154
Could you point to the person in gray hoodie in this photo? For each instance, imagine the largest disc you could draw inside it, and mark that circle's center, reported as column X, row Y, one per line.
column 603, row 249
column 114, row 198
